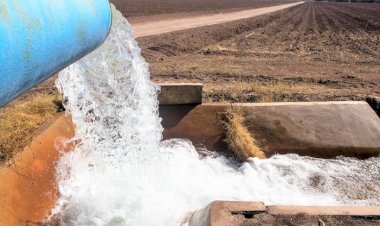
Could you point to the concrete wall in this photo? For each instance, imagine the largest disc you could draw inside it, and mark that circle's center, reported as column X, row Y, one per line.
column 319, row 129
column 227, row 213
column 180, row 93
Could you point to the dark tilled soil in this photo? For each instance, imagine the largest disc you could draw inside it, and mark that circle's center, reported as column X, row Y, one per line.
column 138, row 8
column 310, row 52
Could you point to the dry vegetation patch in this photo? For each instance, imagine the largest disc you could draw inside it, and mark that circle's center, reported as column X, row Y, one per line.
column 238, row 138
column 256, row 91
column 20, row 121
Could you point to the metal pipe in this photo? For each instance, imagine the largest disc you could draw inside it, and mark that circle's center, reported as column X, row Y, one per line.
column 41, row 37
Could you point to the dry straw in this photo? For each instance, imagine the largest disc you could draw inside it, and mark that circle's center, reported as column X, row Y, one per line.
column 21, row 120
column 238, row 138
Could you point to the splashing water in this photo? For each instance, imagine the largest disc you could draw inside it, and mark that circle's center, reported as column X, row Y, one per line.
column 122, row 174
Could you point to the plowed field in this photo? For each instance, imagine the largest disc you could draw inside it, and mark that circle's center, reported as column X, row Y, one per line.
column 314, row 51
column 138, row 8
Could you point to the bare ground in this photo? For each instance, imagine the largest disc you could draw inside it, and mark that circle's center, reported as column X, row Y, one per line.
column 149, row 8
column 166, row 25
column 310, row 52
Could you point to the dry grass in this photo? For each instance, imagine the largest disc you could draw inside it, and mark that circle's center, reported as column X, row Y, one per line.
column 20, row 121
column 265, row 92
column 217, row 47
column 238, row 138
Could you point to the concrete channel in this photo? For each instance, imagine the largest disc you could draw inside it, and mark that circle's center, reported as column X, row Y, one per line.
column 319, row 129
column 226, row 213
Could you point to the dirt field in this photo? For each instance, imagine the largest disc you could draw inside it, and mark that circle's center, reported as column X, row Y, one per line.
column 141, row 8
column 314, row 51
column 165, row 24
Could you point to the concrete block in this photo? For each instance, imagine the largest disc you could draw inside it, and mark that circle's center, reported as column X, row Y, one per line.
column 180, row 93
column 319, row 129
column 218, row 213
column 325, row 210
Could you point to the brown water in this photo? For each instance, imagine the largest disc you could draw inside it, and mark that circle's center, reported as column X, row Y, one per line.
column 28, row 189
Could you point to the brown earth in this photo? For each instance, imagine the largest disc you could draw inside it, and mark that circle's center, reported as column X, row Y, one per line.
column 166, row 25
column 148, row 8
column 310, row 52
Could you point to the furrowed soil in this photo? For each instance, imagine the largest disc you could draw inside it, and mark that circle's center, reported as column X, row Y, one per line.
column 310, row 52
column 138, row 9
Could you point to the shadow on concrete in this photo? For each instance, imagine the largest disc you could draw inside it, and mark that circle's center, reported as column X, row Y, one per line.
column 172, row 114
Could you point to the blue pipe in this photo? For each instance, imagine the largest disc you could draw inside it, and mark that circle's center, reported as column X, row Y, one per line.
column 41, row 37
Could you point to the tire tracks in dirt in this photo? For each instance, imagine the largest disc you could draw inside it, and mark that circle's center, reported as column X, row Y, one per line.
column 171, row 25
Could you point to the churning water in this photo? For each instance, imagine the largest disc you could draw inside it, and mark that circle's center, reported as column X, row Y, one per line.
column 121, row 173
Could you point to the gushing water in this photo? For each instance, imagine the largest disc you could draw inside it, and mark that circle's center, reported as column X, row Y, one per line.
column 121, row 173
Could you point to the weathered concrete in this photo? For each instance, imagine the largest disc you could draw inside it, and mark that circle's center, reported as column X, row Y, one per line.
column 180, row 93
column 374, row 102
column 319, row 129
column 28, row 189
column 325, row 210
column 218, row 213
column 226, row 213
column 351, row 126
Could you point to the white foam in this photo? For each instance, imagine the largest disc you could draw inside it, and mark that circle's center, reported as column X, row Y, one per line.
column 122, row 174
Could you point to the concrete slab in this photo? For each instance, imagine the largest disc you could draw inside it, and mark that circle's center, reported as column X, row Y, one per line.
column 226, row 213
column 218, row 213
column 180, row 93
column 325, row 210
column 319, row 129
